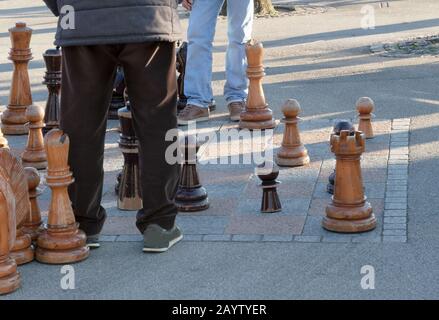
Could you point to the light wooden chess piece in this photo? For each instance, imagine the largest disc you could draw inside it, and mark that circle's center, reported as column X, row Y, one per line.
column 62, row 242
column 14, row 117
column 349, row 211
column 22, row 251
column 34, row 226
column 34, row 154
column 365, row 107
column 257, row 115
column 292, row 152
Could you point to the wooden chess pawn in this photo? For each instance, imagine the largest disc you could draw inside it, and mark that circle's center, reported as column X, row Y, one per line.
column 338, row 127
column 349, row 211
column 62, row 242
column 257, row 115
column 22, row 251
column 14, row 117
column 365, row 107
column 52, row 80
column 292, row 152
column 191, row 195
column 34, row 226
column 268, row 173
column 34, row 154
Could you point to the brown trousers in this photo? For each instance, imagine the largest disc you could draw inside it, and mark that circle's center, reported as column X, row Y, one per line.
column 87, row 81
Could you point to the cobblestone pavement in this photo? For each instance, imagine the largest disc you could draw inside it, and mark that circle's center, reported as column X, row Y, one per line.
column 421, row 46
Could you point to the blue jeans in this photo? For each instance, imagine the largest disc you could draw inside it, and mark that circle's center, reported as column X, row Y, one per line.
column 201, row 32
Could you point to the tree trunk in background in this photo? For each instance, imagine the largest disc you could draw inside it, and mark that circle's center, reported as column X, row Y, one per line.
column 262, row 8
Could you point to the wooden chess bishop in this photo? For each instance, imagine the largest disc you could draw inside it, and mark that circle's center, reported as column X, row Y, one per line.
column 292, row 152
column 34, row 226
column 268, row 173
column 365, row 107
column 62, row 242
column 52, row 80
column 34, row 154
column 191, row 195
column 349, row 211
column 14, row 117
column 257, row 115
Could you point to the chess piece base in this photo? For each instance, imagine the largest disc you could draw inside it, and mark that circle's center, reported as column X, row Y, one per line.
column 349, row 219
column 9, row 277
column 192, row 200
column 292, row 162
column 14, row 130
column 22, row 252
column 260, row 125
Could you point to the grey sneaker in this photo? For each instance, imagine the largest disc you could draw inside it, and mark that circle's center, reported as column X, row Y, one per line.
column 235, row 110
column 157, row 239
column 93, row 241
column 192, row 113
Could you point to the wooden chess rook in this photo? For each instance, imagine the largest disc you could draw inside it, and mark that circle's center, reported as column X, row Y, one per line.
column 34, row 154
column 52, row 80
column 268, row 173
column 349, row 211
column 292, row 152
column 34, row 226
column 365, row 107
column 14, row 117
column 62, row 242
column 191, row 195
column 257, row 115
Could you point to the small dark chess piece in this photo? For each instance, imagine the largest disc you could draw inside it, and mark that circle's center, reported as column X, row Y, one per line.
column 117, row 99
column 268, row 173
column 365, row 107
column 338, row 127
column 52, row 80
column 34, row 227
column 191, row 195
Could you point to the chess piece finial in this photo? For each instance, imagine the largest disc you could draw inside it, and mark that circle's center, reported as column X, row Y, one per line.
column 52, row 79
column 62, row 242
column 34, row 154
column 20, row 97
column 191, row 195
column 292, row 152
column 33, row 227
column 257, row 115
column 365, row 106
column 268, row 173
column 349, row 211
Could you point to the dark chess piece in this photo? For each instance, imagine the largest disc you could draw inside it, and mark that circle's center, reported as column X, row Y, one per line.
column 52, row 80
column 34, row 227
column 191, row 195
column 268, row 173
column 117, row 99
column 338, row 127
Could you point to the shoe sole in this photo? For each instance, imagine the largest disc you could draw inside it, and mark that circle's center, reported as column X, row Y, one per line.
column 93, row 245
column 159, row 250
column 235, row 118
column 186, row 122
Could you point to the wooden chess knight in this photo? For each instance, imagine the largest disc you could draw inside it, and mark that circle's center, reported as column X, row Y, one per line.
column 257, row 115
column 268, row 173
column 191, row 195
column 117, row 98
column 52, row 80
column 34, row 226
column 365, row 107
column 14, row 117
column 34, row 155
column 62, row 242
column 349, row 211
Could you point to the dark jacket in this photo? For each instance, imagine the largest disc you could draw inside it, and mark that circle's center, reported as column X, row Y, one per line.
column 117, row 21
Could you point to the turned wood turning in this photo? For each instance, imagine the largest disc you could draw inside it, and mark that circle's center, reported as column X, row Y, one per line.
column 52, row 80
column 22, row 251
column 14, row 117
column 34, row 226
column 257, row 115
column 34, row 154
column 268, row 173
column 365, row 107
column 292, row 152
column 62, row 242
column 349, row 211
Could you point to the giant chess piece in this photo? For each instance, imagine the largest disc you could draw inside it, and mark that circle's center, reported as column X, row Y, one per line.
column 292, row 152
column 268, row 173
column 34, row 154
column 52, row 80
column 62, row 242
column 34, row 226
column 117, row 98
column 349, row 211
column 14, row 117
column 365, row 107
column 128, row 187
column 257, row 115
column 338, row 127
column 191, row 195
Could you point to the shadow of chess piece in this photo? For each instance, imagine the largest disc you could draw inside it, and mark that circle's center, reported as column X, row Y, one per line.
column 34, row 154
column 34, row 227
column 117, row 98
column 129, row 188
column 257, row 115
column 52, row 80
column 62, row 242
column 191, row 195
column 292, row 152
column 22, row 251
column 349, row 211
column 20, row 97
column 365, row 107
column 338, row 127
column 268, row 173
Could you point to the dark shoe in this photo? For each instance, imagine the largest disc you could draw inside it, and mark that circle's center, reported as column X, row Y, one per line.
column 192, row 113
column 93, row 241
column 157, row 239
column 235, row 109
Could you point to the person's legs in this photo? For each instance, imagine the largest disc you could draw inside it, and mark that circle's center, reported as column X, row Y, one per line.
column 152, row 88
column 87, row 81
